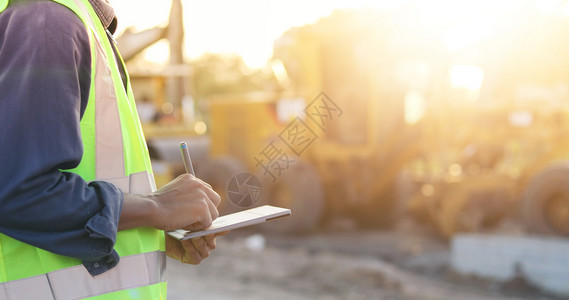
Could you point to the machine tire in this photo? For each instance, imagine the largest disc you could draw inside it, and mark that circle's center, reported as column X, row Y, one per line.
column 218, row 173
column 300, row 189
column 383, row 212
column 547, row 187
column 380, row 214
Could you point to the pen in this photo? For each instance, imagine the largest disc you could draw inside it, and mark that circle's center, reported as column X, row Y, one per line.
column 186, row 158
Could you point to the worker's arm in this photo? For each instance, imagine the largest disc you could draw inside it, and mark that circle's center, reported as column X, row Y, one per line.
column 186, row 202
column 44, row 87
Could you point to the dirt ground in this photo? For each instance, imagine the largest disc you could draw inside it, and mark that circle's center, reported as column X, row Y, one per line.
column 340, row 262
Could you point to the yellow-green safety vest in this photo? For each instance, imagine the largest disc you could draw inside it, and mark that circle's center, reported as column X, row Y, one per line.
column 114, row 151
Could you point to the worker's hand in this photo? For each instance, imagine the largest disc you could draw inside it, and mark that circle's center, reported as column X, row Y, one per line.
column 186, row 202
column 191, row 251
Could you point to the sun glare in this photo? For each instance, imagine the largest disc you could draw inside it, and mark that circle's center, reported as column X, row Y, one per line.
column 249, row 27
column 158, row 53
column 468, row 34
column 415, row 107
column 469, row 77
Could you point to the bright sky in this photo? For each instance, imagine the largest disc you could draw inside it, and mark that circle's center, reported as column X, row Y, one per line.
column 245, row 27
column 249, row 27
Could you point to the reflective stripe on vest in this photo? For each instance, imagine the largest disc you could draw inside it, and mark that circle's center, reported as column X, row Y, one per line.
column 76, row 283
column 114, row 151
column 110, row 161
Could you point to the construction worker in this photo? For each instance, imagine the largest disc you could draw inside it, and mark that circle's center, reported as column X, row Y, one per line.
column 79, row 214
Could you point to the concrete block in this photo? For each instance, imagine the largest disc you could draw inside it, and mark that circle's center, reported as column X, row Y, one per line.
column 542, row 261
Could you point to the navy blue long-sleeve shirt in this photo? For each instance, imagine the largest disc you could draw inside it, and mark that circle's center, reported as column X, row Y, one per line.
column 45, row 68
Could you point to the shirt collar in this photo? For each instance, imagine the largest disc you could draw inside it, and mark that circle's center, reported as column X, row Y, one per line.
column 106, row 14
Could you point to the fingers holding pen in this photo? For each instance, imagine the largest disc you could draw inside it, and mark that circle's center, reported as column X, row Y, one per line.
column 212, row 195
column 186, row 203
column 211, row 199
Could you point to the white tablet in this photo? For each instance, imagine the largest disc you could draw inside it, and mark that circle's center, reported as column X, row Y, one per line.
column 236, row 220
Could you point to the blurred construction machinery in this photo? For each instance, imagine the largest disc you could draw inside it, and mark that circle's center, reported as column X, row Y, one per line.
column 494, row 162
column 352, row 168
column 462, row 139
column 460, row 136
column 162, row 87
column 500, row 152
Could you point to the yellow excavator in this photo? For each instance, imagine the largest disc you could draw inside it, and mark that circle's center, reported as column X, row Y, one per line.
column 462, row 163
column 468, row 162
